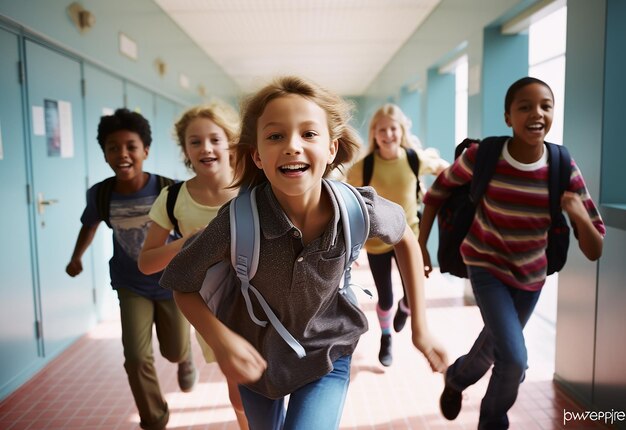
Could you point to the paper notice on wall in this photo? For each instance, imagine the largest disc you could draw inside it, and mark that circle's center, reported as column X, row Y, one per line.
column 107, row 111
column 1, row 147
column 67, row 129
column 39, row 128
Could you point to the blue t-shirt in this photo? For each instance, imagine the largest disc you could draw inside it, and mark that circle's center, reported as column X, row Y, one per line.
column 130, row 221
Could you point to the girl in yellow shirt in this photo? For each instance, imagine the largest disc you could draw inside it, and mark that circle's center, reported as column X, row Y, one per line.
column 393, row 178
column 204, row 134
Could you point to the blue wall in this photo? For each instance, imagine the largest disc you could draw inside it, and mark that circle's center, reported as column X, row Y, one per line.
column 43, row 310
column 156, row 35
column 505, row 60
column 590, row 344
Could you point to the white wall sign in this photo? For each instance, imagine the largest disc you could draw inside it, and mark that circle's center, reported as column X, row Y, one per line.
column 39, row 127
column 1, row 147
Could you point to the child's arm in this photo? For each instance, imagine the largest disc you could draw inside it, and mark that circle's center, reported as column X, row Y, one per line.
column 411, row 267
column 237, row 358
column 590, row 240
column 85, row 237
column 426, row 224
column 156, row 253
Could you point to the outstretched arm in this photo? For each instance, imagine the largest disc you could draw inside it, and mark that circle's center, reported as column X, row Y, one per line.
column 156, row 253
column 237, row 358
column 411, row 267
column 85, row 237
column 590, row 240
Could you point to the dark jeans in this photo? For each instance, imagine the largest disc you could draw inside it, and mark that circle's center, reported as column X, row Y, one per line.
column 380, row 266
column 505, row 312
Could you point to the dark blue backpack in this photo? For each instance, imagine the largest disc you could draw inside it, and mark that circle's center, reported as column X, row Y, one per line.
column 457, row 213
column 103, row 195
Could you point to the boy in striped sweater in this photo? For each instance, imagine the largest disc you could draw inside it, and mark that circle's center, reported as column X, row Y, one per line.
column 504, row 250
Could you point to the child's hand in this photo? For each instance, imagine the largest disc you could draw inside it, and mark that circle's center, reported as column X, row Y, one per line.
column 434, row 353
column 238, row 359
column 428, row 267
column 572, row 204
column 74, row 268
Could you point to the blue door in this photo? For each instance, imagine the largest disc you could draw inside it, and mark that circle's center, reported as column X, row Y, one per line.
column 58, row 159
column 167, row 156
column 18, row 341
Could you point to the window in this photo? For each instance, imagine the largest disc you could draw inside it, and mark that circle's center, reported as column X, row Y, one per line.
column 546, row 61
column 461, row 95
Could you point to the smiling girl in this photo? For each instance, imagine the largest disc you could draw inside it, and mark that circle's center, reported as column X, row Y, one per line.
column 392, row 176
column 293, row 135
column 204, row 134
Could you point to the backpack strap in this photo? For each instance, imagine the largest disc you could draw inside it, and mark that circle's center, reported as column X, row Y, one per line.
column 245, row 238
column 559, row 173
column 356, row 225
column 368, row 169
column 487, row 156
column 172, row 195
column 414, row 162
column 103, row 199
column 245, row 235
column 164, row 181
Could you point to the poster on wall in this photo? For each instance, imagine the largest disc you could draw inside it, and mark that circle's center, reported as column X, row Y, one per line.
column 59, row 128
column 53, row 127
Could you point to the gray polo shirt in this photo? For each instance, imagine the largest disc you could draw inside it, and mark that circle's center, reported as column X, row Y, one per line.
column 300, row 283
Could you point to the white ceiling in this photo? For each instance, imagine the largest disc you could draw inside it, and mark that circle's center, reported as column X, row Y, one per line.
column 340, row 44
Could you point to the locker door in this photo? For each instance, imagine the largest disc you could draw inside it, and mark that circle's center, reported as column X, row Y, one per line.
column 58, row 169
column 168, row 155
column 18, row 343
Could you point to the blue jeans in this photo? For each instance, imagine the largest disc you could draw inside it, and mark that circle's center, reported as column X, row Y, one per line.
column 505, row 312
column 317, row 405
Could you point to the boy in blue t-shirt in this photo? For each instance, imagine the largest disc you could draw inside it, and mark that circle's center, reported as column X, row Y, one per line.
column 125, row 139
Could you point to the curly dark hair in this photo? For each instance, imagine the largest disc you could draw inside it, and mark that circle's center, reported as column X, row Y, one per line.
column 124, row 119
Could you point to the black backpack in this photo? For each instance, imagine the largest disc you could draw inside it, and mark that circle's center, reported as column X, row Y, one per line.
column 414, row 162
column 457, row 213
column 103, row 196
column 172, row 195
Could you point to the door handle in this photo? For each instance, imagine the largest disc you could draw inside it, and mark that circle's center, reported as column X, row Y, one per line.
column 42, row 203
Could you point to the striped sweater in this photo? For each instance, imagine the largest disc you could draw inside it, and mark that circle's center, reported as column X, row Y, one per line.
column 509, row 233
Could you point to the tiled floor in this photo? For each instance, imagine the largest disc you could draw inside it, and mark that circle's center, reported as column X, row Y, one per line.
column 86, row 387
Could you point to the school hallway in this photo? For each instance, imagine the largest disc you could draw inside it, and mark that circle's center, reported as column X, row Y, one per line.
column 86, row 388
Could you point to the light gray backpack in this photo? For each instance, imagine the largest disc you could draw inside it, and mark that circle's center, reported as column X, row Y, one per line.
column 219, row 282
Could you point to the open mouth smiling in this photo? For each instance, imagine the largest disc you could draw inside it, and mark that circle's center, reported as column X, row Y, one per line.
column 294, row 168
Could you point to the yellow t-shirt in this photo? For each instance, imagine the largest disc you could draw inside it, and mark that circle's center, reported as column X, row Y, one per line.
column 395, row 181
column 190, row 216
